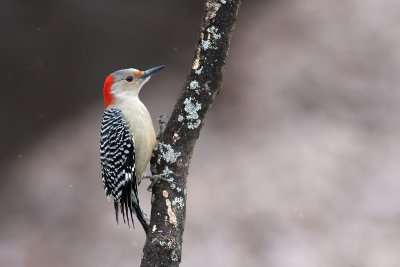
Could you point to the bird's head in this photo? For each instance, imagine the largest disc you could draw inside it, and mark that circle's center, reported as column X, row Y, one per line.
column 126, row 83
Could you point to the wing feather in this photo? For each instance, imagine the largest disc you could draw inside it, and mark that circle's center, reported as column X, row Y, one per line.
column 117, row 157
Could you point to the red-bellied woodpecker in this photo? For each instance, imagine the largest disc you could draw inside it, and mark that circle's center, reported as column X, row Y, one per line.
column 127, row 140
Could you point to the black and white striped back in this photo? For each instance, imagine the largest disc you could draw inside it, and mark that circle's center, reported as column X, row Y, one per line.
column 117, row 157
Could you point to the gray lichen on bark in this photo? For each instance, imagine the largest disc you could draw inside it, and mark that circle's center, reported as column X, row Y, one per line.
column 172, row 155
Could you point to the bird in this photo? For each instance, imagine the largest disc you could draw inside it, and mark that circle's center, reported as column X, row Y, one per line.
column 127, row 139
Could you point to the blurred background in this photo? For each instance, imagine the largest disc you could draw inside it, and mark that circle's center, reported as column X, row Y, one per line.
column 297, row 165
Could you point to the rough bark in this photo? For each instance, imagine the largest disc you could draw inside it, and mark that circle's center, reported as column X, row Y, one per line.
column 172, row 155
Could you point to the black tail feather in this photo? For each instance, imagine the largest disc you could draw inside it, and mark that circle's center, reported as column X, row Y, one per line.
column 141, row 216
column 116, row 210
column 129, row 204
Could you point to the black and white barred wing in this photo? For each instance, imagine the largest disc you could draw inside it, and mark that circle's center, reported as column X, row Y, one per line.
column 117, row 156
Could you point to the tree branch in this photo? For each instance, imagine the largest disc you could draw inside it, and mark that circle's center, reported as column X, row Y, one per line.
column 172, row 155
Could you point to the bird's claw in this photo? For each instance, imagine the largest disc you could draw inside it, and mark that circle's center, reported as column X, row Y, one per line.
column 161, row 117
column 154, row 179
column 161, row 124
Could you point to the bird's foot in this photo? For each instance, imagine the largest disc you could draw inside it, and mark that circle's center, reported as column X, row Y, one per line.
column 154, row 179
column 161, row 124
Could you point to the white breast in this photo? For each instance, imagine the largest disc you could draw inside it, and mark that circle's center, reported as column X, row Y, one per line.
column 142, row 128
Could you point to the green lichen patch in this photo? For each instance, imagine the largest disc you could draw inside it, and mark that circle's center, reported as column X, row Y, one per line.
column 191, row 109
column 167, row 152
column 174, row 256
column 178, row 202
column 167, row 172
column 214, row 32
column 206, row 44
column 194, row 85
column 198, row 71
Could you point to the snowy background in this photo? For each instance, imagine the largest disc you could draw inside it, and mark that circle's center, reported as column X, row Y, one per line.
column 299, row 161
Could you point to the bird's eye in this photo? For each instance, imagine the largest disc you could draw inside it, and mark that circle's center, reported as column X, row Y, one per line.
column 129, row 78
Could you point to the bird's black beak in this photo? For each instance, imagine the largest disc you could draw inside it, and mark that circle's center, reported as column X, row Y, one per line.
column 151, row 71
